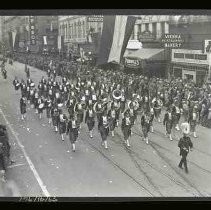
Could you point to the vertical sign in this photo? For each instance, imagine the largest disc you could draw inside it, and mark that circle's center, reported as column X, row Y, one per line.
column 32, row 30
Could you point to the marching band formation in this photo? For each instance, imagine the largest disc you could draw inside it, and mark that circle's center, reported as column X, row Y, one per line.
column 110, row 99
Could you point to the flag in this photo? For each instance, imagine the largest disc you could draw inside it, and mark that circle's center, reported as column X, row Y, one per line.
column 10, row 40
column 45, row 40
column 13, row 38
column 115, row 35
column 59, row 42
column 51, row 26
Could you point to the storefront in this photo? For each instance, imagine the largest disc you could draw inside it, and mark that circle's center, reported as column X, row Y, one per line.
column 190, row 64
column 147, row 61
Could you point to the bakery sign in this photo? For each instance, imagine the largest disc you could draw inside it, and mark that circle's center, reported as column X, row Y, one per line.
column 172, row 40
column 132, row 63
column 32, row 30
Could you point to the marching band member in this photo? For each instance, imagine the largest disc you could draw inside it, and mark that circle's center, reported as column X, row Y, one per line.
column 103, row 127
column 16, row 83
column 23, row 107
column 72, row 130
column 168, row 122
column 48, row 107
column 157, row 109
column 55, row 117
column 185, row 145
column 23, row 88
column 90, row 119
column 193, row 116
column 151, row 118
column 28, row 93
column 35, row 101
column 185, row 110
column 79, row 110
column 176, row 113
column 113, row 117
column 40, row 106
column 145, row 123
column 126, row 127
column 62, row 124
column 31, row 98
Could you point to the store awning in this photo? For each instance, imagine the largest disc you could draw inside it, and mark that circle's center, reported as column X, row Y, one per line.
column 146, row 54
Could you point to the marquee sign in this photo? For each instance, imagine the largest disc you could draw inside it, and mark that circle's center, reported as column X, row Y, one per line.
column 172, row 41
column 32, row 30
column 132, row 63
column 95, row 18
column 146, row 36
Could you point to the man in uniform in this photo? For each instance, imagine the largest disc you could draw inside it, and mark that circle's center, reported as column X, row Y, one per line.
column 185, row 145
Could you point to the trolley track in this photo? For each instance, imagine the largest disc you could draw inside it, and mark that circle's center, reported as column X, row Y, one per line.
column 167, row 161
column 114, row 163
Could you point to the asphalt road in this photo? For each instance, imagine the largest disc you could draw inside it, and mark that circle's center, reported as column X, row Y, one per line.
column 46, row 166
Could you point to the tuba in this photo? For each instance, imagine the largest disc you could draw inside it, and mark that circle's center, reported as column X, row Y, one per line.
column 117, row 94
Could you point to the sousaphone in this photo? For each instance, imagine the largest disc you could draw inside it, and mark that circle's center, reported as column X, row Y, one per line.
column 117, row 94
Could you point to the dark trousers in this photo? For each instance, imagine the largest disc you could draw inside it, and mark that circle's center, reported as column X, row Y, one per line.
column 184, row 160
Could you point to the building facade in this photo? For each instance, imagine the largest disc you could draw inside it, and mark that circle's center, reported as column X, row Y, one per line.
column 20, row 25
column 193, row 60
column 149, row 29
column 76, row 30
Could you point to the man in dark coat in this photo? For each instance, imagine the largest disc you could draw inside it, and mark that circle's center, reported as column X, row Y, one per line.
column 185, row 145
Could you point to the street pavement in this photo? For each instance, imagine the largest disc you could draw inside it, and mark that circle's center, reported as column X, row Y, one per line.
column 46, row 166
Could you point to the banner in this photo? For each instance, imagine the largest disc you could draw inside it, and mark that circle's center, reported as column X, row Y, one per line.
column 45, row 40
column 32, row 30
column 59, row 43
column 13, row 38
column 115, row 36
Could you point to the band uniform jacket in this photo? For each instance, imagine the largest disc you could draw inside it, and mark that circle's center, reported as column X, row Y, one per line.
column 145, row 123
column 16, row 84
column 185, row 144
column 112, row 115
column 23, row 106
column 48, row 107
column 168, row 122
column 62, row 124
column 103, row 126
column 126, row 127
column 90, row 119
column 192, row 119
column 55, row 116
column 72, row 130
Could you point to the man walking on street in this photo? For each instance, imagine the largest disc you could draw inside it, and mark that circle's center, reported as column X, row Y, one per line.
column 185, row 145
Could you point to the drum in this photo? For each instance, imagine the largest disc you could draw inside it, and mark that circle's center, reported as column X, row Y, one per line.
column 32, row 85
column 41, row 105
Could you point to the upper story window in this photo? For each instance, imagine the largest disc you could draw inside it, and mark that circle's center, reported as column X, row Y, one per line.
column 189, row 56
column 200, row 57
column 178, row 55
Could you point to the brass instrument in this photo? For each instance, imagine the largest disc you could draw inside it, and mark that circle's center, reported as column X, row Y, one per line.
column 117, row 94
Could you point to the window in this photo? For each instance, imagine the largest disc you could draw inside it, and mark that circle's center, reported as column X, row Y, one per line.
column 162, row 28
column 178, row 55
column 154, row 28
column 200, row 57
column 146, row 26
column 189, row 56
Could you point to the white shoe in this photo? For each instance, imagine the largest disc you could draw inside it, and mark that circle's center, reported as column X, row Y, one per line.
column 128, row 144
column 90, row 134
column 170, row 137
column 112, row 133
column 152, row 129
column 194, row 135
column 106, row 145
column 73, row 145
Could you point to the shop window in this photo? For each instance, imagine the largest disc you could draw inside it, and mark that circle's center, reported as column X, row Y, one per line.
column 178, row 55
column 200, row 57
column 189, row 56
column 177, row 72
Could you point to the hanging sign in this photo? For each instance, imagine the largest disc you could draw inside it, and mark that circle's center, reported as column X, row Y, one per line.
column 32, row 30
